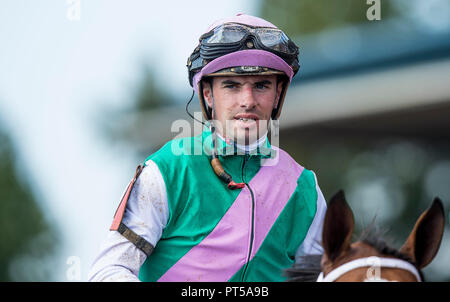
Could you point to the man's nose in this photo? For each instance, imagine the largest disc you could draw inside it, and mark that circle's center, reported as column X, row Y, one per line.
column 248, row 99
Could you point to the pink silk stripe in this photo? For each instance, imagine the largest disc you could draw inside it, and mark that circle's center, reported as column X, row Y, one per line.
column 225, row 250
column 272, row 193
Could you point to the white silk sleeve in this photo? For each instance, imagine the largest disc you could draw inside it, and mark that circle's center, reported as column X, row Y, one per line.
column 312, row 244
column 146, row 215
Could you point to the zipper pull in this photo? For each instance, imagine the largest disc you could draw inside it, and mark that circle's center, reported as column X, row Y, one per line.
column 246, row 156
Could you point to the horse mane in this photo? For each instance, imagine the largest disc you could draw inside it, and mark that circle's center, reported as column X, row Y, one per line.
column 307, row 267
column 376, row 238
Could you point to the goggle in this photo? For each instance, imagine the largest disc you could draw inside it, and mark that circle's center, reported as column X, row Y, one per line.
column 230, row 35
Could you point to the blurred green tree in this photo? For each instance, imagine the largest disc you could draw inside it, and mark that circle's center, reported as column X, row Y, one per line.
column 24, row 231
column 149, row 95
column 312, row 16
column 129, row 126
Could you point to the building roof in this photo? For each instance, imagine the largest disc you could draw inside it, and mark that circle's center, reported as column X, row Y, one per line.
column 357, row 76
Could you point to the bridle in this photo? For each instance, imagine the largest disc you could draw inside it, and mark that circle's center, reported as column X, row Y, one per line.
column 375, row 264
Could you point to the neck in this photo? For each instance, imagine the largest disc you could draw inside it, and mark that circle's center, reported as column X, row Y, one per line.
column 246, row 148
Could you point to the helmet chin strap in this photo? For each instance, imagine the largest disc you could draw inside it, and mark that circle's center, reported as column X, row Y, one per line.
column 215, row 162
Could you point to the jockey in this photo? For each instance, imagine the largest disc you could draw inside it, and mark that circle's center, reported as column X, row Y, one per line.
column 225, row 205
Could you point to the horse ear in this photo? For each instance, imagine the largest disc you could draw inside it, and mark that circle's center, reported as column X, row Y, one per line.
column 424, row 240
column 338, row 227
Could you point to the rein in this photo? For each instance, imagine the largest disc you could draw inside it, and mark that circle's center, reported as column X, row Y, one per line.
column 375, row 263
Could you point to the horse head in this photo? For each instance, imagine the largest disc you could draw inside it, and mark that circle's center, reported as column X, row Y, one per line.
column 370, row 258
column 365, row 260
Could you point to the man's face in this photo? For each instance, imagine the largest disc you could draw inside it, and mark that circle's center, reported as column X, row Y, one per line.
column 243, row 105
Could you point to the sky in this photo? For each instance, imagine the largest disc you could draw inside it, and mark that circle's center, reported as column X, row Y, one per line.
column 60, row 65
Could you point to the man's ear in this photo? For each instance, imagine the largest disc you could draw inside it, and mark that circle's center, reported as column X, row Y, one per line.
column 207, row 92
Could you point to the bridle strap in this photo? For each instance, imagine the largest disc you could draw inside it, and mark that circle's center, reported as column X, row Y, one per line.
column 373, row 261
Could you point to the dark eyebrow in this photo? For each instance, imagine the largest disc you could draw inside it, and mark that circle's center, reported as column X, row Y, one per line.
column 230, row 82
column 263, row 82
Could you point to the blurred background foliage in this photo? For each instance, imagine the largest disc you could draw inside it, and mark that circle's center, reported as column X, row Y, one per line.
column 126, row 126
column 28, row 239
column 149, row 94
column 313, row 16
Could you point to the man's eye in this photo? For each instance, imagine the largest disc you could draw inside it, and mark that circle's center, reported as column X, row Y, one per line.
column 261, row 86
column 230, row 86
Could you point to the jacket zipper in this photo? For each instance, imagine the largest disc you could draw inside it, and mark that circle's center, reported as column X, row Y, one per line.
column 253, row 217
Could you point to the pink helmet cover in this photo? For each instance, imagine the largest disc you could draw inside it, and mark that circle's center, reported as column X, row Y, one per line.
column 247, row 57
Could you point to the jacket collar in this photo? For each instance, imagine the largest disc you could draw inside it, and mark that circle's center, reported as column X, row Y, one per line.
column 227, row 147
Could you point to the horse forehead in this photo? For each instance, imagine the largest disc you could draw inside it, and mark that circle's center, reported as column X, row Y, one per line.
column 357, row 250
column 371, row 274
column 361, row 249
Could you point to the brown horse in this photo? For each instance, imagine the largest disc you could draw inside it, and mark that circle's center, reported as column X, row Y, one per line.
column 370, row 258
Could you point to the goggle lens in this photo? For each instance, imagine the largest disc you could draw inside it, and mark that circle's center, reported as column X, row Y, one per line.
column 232, row 33
column 226, row 34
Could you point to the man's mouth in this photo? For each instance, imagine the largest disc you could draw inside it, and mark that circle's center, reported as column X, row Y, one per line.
column 246, row 117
